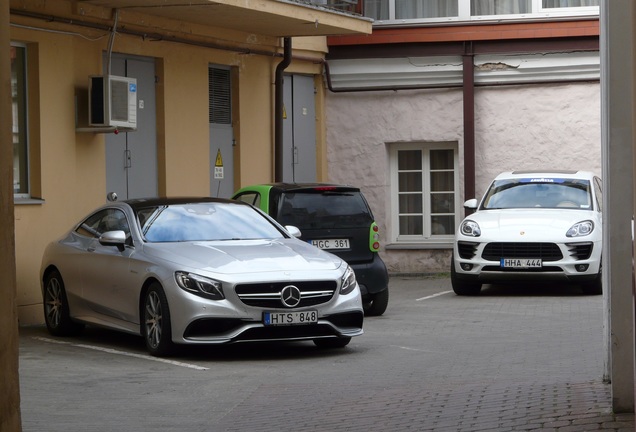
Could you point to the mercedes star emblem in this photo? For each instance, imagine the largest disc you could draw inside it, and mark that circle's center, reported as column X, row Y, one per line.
column 290, row 296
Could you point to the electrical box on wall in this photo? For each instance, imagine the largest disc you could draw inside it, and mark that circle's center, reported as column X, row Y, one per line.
column 112, row 102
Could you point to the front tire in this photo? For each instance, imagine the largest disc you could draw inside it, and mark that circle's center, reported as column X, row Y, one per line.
column 377, row 303
column 340, row 342
column 593, row 288
column 156, row 324
column 461, row 287
column 57, row 314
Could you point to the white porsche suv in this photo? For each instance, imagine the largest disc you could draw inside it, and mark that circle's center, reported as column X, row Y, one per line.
column 532, row 226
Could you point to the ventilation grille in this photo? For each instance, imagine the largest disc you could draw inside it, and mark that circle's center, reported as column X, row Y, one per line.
column 220, row 102
column 543, row 251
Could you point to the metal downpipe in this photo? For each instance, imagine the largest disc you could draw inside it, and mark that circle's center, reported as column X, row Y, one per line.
column 279, row 109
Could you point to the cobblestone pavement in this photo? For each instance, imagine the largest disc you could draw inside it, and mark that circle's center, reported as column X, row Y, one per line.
column 512, row 359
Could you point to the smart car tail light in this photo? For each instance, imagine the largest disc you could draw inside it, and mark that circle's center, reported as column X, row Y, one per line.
column 374, row 237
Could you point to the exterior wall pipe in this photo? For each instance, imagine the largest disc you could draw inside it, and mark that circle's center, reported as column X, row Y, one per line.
column 469, row 122
column 279, row 109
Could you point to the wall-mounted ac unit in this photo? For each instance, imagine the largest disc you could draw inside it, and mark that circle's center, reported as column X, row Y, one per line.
column 112, row 101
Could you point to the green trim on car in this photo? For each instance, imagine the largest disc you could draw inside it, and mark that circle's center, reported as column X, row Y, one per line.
column 374, row 237
column 262, row 190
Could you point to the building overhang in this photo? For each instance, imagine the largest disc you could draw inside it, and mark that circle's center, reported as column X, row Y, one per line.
column 277, row 18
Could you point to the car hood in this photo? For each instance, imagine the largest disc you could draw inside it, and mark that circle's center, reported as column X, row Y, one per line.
column 245, row 256
column 531, row 224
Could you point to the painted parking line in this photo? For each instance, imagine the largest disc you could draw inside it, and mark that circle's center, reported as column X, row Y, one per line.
column 124, row 353
column 433, row 295
column 409, row 348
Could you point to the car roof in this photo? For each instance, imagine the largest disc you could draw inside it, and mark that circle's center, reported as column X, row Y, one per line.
column 286, row 187
column 573, row 174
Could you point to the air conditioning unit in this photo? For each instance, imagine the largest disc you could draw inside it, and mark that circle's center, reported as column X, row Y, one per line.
column 112, row 101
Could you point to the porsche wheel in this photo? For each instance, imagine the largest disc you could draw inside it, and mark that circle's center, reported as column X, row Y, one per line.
column 461, row 287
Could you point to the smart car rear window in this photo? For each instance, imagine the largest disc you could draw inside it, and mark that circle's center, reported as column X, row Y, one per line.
column 324, row 210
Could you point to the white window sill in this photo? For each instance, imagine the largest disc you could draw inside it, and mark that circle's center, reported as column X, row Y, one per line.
column 28, row 201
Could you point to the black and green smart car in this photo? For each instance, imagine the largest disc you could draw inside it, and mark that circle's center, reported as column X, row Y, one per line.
column 335, row 218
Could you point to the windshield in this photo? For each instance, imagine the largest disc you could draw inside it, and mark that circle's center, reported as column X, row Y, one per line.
column 324, row 209
column 539, row 192
column 204, row 222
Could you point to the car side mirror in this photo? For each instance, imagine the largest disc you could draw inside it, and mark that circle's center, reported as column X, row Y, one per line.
column 113, row 238
column 293, row 231
column 471, row 204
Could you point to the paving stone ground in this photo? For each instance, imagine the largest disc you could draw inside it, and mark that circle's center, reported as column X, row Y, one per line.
column 513, row 359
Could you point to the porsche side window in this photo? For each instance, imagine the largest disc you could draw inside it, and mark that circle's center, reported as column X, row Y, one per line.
column 598, row 187
column 103, row 221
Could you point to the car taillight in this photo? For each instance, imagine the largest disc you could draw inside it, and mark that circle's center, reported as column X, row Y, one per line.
column 374, row 238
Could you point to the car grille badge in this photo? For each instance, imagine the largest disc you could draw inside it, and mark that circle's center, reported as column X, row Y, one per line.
column 290, row 296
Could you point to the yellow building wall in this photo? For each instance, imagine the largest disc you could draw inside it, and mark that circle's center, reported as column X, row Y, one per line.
column 68, row 168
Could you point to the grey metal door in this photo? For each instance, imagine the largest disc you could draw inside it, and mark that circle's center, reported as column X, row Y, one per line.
column 131, row 157
column 221, row 132
column 299, row 129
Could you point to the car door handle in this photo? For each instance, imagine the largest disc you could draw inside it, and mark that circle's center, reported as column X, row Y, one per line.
column 91, row 249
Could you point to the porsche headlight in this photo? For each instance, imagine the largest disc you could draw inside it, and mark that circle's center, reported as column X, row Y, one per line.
column 348, row 281
column 470, row 228
column 200, row 285
column 581, row 229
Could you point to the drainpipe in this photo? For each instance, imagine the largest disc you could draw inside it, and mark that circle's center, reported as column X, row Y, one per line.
column 469, row 122
column 278, row 110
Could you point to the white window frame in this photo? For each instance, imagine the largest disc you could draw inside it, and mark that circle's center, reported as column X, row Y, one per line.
column 427, row 238
column 537, row 11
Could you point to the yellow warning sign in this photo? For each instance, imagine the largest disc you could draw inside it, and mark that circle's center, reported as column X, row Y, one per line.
column 219, row 159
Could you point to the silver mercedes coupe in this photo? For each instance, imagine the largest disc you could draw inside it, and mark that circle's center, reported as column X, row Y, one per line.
column 197, row 271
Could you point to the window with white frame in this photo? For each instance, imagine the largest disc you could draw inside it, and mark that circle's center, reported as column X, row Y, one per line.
column 424, row 182
column 19, row 105
column 392, row 12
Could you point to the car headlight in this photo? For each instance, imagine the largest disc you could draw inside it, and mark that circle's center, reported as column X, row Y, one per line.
column 470, row 228
column 348, row 281
column 581, row 229
column 199, row 285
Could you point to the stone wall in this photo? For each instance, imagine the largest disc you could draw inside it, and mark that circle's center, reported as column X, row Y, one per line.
column 516, row 127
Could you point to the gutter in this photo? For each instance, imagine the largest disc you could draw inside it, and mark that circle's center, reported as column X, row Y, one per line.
column 279, row 109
